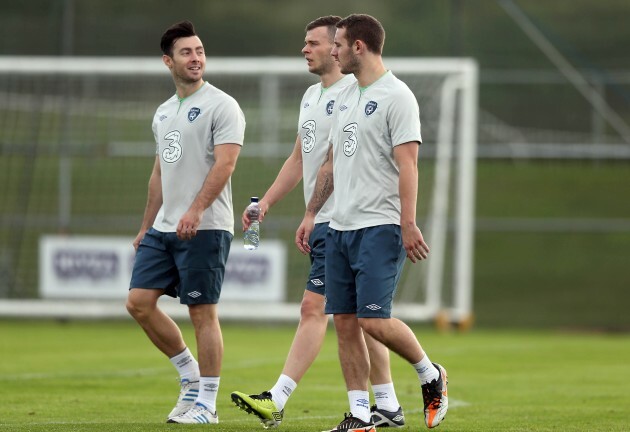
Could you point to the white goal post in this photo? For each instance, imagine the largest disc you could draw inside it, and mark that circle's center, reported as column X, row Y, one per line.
column 101, row 101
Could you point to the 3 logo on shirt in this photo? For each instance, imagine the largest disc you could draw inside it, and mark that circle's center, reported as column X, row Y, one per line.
column 350, row 143
column 308, row 137
column 173, row 152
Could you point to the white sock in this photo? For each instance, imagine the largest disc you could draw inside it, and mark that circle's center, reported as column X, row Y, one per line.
column 282, row 390
column 360, row 404
column 186, row 365
column 426, row 371
column 385, row 397
column 208, row 389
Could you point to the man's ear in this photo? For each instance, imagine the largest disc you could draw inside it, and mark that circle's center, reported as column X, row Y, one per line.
column 358, row 46
column 167, row 61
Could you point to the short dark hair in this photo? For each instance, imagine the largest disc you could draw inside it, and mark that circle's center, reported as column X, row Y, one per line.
column 176, row 31
column 329, row 21
column 365, row 28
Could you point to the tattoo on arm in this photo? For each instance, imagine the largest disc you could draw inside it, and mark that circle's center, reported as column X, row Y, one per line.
column 320, row 194
column 324, row 185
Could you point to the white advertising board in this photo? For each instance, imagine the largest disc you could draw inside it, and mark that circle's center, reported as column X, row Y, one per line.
column 99, row 267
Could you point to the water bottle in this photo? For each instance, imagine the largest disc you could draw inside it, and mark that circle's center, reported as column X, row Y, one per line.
column 251, row 238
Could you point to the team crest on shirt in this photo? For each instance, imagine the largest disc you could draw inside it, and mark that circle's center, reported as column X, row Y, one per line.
column 329, row 107
column 193, row 114
column 370, row 107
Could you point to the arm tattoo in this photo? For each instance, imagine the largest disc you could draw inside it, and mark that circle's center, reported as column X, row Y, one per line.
column 323, row 189
column 324, row 186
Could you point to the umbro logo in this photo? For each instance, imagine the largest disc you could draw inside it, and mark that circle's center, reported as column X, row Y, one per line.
column 363, row 403
column 373, row 307
column 306, row 105
column 343, row 108
column 194, row 294
column 317, row 282
column 163, row 117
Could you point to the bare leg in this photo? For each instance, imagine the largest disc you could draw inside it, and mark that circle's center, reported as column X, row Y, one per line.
column 209, row 338
column 379, row 361
column 353, row 353
column 308, row 338
column 159, row 327
column 395, row 335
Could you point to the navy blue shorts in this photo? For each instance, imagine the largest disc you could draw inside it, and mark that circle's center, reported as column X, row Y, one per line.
column 192, row 270
column 362, row 270
column 317, row 241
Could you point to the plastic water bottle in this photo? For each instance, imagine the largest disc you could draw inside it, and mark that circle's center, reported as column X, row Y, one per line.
column 251, row 238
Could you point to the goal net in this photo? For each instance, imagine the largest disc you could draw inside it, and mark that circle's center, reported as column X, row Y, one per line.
column 76, row 149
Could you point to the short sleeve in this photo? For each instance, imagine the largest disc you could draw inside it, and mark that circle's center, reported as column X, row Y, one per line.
column 403, row 119
column 228, row 124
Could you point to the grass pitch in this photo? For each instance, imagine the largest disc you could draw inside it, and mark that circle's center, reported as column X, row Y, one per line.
column 106, row 376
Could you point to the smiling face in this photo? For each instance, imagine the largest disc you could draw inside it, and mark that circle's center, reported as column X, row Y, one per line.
column 317, row 51
column 343, row 52
column 188, row 62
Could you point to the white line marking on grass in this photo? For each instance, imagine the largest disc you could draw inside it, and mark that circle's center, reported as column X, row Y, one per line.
column 93, row 374
column 456, row 403
column 245, row 364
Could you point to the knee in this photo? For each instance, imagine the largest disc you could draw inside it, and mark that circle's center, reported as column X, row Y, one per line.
column 312, row 309
column 203, row 315
column 346, row 324
column 138, row 307
column 370, row 326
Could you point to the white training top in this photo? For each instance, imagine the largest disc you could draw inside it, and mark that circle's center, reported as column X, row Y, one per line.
column 186, row 132
column 314, row 127
column 366, row 127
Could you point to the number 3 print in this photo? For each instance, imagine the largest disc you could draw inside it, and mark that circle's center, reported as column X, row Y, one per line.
column 174, row 150
column 308, row 140
column 350, row 144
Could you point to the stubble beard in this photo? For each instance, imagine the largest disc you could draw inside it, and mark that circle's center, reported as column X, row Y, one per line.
column 183, row 78
column 324, row 68
column 351, row 66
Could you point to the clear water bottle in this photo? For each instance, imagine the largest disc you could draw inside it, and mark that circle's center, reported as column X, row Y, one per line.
column 251, row 237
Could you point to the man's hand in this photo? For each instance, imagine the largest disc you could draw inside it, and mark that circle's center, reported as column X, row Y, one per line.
column 263, row 211
column 413, row 242
column 138, row 239
column 188, row 224
column 303, row 233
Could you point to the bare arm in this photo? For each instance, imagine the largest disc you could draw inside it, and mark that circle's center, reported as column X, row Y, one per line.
column 287, row 179
column 225, row 161
column 406, row 156
column 154, row 201
column 324, row 187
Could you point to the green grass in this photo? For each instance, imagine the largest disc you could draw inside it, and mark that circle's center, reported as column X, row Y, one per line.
column 106, row 376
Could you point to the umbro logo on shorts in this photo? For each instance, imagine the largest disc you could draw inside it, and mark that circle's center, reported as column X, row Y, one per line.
column 317, row 282
column 373, row 307
column 194, row 294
